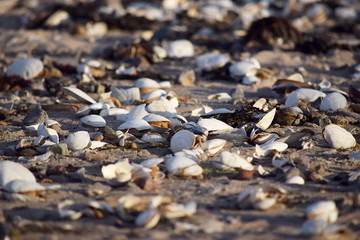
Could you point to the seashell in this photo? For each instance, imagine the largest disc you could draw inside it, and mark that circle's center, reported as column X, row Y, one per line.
column 10, row 171
column 266, row 120
column 146, row 85
column 265, row 204
column 266, row 149
column 313, row 226
column 224, row 97
column 78, row 94
column 307, row 94
column 101, row 206
column 78, row 140
column 93, row 121
column 162, row 106
column 138, row 124
column 212, row 124
column 27, row 68
column 148, row 219
column 180, row 48
column 296, row 77
column 146, row 10
column 96, row 29
column 65, row 211
column 202, row 110
column 239, row 69
column 151, row 162
column 23, row 186
column 97, row 144
column 176, row 164
column 333, row 101
column 261, row 104
column 172, row 98
column 178, row 210
column 325, row 210
column 232, row 160
column 213, row 146
column 262, row 137
column 157, row 120
column 183, row 139
column 114, row 111
column 295, row 180
column 251, row 77
column 118, row 173
column 153, row 95
column 338, row 137
column 278, row 162
column 137, row 112
column 53, row 135
column 165, row 84
column 216, row 111
column 211, row 61
column 57, row 18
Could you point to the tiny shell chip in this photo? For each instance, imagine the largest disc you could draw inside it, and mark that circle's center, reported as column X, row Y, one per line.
column 78, row 140
column 23, row 186
column 26, row 68
column 307, row 94
column 10, row 171
column 325, row 210
column 338, row 137
column 210, row 61
column 93, row 120
column 333, row 101
column 213, row 124
column 180, row 48
column 183, row 139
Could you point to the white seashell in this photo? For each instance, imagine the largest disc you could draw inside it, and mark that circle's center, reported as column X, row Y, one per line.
column 262, row 137
column 93, row 120
column 178, row 210
column 154, row 138
column 266, row 121
column 202, row 110
column 83, row 111
column 153, row 95
column 117, row 173
column 151, row 162
column 80, row 95
column 180, row 48
column 216, row 111
column 101, row 206
column 260, row 104
column 333, row 101
column 232, row 160
column 148, row 219
column 296, row 77
column 23, row 186
column 250, row 79
column 146, row 85
column 183, row 139
column 52, row 135
column 266, row 149
column 10, row 171
column 191, row 171
column 325, row 210
column 165, row 84
column 307, row 94
column 138, row 124
column 295, row 180
column 213, row 146
column 173, row 99
column 313, row 226
column 26, row 68
column 212, row 124
column 137, row 112
column 211, row 61
column 278, row 162
column 78, row 140
column 192, row 154
column 338, row 137
column 177, row 163
column 97, row 144
column 57, row 18
column 128, row 95
column 114, row 111
column 162, row 106
column 224, row 97
column 155, row 118
column 265, row 203
column 239, row 69
column 146, row 10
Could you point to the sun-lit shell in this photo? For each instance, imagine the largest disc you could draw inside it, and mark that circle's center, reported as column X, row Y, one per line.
column 296, row 77
column 177, row 164
column 213, row 146
column 57, row 18
column 212, row 124
column 148, row 219
column 153, row 95
column 178, row 210
column 261, row 104
column 295, row 180
column 222, row 96
column 78, row 94
column 138, row 124
column 183, row 139
column 23, row 186
column 146, row 85
column 93, row 120
column 239, row 69
column 26, row 68
column 338, row 137
column 232, row 160
column 152, row 162
column 202, row 110
column 333, row 101
column 216, row 111
column 266, row 120
column 157, row 120
column 127, row 96
column 117, row 173
column 113, row 111
column 193, row 154
column 211, row 61
column 307, row 94
column 325, row 210
column 266, row 149
column 97, row 144
column 313, row 226
column 265, row 203
column 162, row 106
column 10, row 171
column 180, row 48
column 78, row 140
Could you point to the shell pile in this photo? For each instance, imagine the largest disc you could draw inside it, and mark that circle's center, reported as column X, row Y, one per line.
column 212, row 117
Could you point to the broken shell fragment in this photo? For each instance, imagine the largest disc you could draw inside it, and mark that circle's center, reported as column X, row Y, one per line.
column 118, row 173
column 232, row 160
column 213, row 124
column 333, row 101
column 26, row 68
column 78, row 140
column 268, row 148
column 148, row 219
column 325, row 210
column 93, row 121
column 213, row 146
column 296, row 180
column 78, row 94
column 266, row 120
column 183, row 139
column 338, row 137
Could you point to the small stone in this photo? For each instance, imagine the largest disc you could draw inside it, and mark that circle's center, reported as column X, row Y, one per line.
column 147, row 184
column 60, row 148
column 237, row 92
column 244, row 175
column 94, row 157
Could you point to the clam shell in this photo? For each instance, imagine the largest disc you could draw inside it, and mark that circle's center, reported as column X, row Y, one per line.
column 313, row 226
column 153, row 95
column 325, row 210
column 296, row 180
column 78, row 140
column 333, row 101
column 266, row 120
column 148, row 219
column 26, row 68
column 296, row 77
column 10, row 171
column 265, row 203
column 23, row 186
column 146, row 85
column 338, row 137
column 180, row 48
column 211, row 61
column 177, row 210
column 137, row 112
column 78, row 94
column 93, row 120
column 183, row 139
column 191, row 171
column 97, row 144
column 266, row 149
column 307, row 94
column 239, row 69
column 177, row 163
column 212, row 124
column 127, row 96
column 151, row 162
column 138, row 124
column 202, row 110
column 155, row 118
column 213, row 146
column 232, row 160
column 162, row 106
